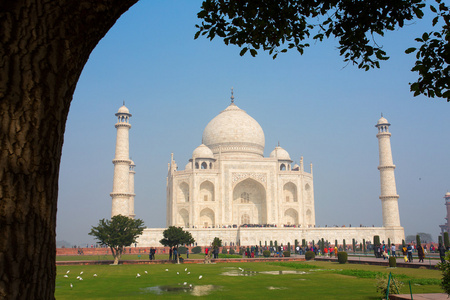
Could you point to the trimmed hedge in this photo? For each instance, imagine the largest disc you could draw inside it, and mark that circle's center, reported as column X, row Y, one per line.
column 182, row 250
column 232, row 251
column 224, row 251
column 310, row 255
column 196, row 250
column 287, row 254
column 342, row 257
column 266, row 253
column 392, row 262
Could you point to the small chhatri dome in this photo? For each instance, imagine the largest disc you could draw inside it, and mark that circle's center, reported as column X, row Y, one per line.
column 383, row 121
column 202, row 151
column 280, row 153
column 123, row 110
column 447, row 195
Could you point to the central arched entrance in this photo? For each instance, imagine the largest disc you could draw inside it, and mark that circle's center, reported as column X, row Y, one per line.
column 249, row 203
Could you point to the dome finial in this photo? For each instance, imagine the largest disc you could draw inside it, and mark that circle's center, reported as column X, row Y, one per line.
column 123, row 102
column 232, row 96
column 381, row 114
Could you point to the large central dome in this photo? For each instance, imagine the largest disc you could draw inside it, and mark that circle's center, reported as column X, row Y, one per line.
column 234, row 133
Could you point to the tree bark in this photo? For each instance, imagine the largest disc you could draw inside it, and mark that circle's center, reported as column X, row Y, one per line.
column 44, row 46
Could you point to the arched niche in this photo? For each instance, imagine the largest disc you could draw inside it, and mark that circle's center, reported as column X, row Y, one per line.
column 249, row 196
column 206, row 191
column 291, row 216
column 183, row 218
column 207, row 218
column 290, row 192
column 308, row 219
column 183, row 192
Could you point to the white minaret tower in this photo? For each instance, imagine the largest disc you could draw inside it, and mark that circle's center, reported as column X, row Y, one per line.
column 131, row 213
column 389, row 197
column 121, row 192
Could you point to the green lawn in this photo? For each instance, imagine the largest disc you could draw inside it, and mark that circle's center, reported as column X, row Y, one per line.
column 325, row 280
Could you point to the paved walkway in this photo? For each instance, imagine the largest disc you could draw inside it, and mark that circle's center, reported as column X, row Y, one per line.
column 419, row 297
column 428, row 263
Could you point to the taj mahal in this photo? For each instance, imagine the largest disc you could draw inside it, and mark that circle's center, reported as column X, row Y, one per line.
column 228, row 189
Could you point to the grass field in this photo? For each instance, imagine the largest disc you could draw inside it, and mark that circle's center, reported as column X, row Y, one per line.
column 325, row 280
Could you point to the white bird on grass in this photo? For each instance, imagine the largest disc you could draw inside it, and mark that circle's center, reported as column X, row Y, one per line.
column 71, row 285
column 81, row 272
column 178, row 273
column 184, row 283
column 138, row 275
column 185, row 269
column 190, row 286
column 66, row 276
column 188, row 273
column 80, row 279
column 200, row 277
column 95, row 275
column 68, row 271
column 146, row 272
column 167, row 270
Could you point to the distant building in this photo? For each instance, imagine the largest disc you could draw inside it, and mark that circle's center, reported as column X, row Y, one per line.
column 446, row 226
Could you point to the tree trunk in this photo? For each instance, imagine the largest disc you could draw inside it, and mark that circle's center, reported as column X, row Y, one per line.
column 43, row 48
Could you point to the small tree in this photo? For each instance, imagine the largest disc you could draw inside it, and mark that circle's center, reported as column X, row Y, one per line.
column 376, row 240
column 336, row 243
column 216, row 244
column 175, row 236
column 117, row 233
column 418, row 243
column 364, row 246
column 445, row 268
column 389, row 243
column 354, row 245
column 446, row 240
column 440, row 240
column 303, row 243
column 343, row 245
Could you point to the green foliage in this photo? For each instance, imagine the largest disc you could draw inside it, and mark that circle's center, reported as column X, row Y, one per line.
column 303, row 243
column 196, row 250
column 310, row 255
column 376, row 240
column 276, row 245
column 433, row 63
column 364, row 245
column 175, row 236
column 120, row 231
column 266, row 253
column 296, row 244
column 182, row 250
column 389, row 242
column 344, row 245
column 392, row 262
column 271, row 244
column 342, row 257
column 382, row 285
column 287, row 253
column 277, row 27
column 403, row 243
column 336, row 243
column 117, row 233
column 322, row 245
column 445, row 268
column 418, row 243
column 232, row 251
column 224, row 251
column 440, row 240
column 216, row 243
column 446, row 240
column 353, row 245
column 241, row 251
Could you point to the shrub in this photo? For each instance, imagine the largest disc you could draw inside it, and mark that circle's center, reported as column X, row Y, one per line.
column 232, row 251
column 309, row 255
column 376, row 240
column 241, row 251
column 446, row 240
column 182, row 250
column 392, row 262
column 196, row 250
column 382, row 282
column 287, row 253
column 418, row 242
column 342, row 257
column 266, row 253
column 445, row 268
column 224, row 251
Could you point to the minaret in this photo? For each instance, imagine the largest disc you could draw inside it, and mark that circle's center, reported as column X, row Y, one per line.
column 446, row 226
column 121, row 192
column 389, row 197
column 131, row 213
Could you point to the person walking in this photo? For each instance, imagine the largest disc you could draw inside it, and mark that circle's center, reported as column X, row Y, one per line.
column 393, row 250
column 409, row 250
column 420, row 253
column 441, row 250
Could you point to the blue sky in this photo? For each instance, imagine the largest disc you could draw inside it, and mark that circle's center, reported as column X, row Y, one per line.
column 314, row 104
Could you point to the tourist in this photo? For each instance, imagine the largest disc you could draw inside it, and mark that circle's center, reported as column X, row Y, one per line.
column 393, row 250
column 409, row 250
column 420, row 253
column 441, row 250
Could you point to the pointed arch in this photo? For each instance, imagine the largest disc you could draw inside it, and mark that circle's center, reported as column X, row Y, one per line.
column 206, row 192
column 207, row 218
column 249, row 197
column 183, row 218
column 290, row 217
column 290, row 192
column 183, row 192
